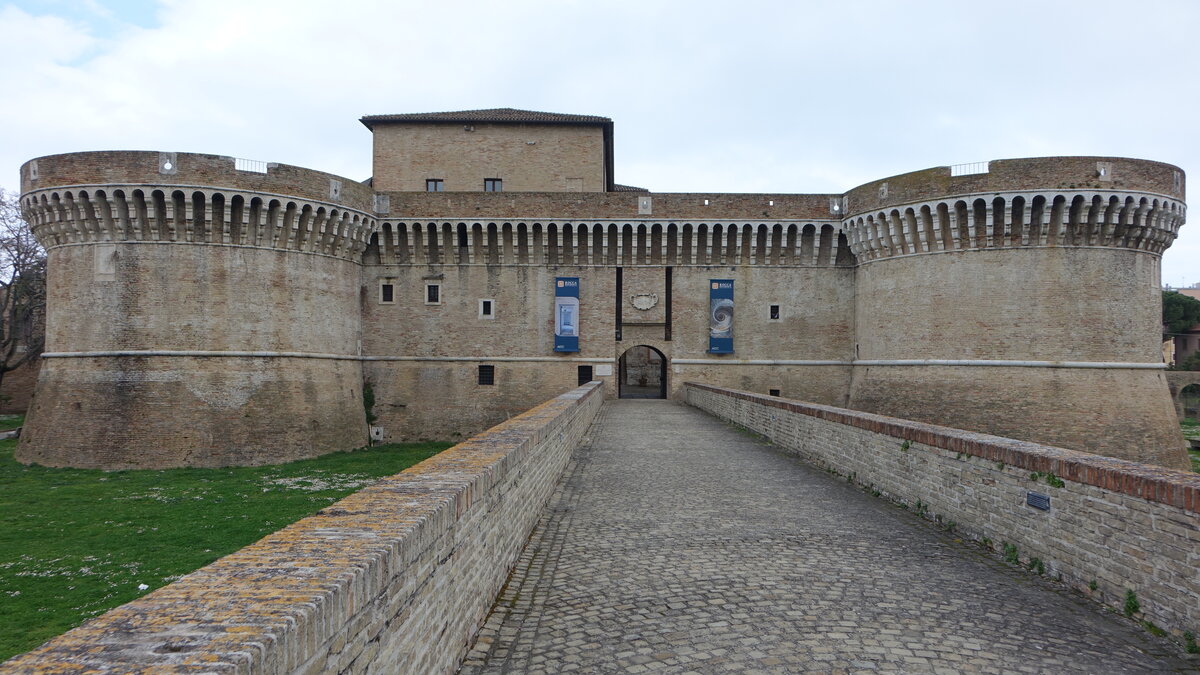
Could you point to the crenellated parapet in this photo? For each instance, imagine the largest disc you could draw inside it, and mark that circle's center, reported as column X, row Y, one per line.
column 1093, row 208
column 195, row 199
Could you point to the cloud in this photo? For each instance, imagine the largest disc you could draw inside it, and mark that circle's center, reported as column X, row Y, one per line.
column 767, row 96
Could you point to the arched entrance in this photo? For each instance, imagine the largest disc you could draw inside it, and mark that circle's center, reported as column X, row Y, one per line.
column 643, row 373
column 1189, row 396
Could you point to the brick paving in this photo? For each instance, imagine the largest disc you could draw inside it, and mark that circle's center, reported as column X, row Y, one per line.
column 676, row 544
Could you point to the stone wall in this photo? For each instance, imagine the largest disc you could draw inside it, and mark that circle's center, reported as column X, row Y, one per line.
column 425, row 379
column 1177, row 381
column 1031, row 173
column 187, row 355
column 103, row 169
column 1123, row 525
column 1013, row 325
column 198, row 314
column 526, row 157
column 395, row 578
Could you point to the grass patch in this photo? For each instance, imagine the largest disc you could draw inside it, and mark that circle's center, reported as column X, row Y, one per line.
column 8, row 422
column 1191, row 431
column 75, row 543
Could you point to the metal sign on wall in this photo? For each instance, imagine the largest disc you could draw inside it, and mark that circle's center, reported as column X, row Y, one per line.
column 566, row 314
column 720, row 316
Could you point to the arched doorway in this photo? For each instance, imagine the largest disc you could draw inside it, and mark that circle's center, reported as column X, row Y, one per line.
column 643, row 373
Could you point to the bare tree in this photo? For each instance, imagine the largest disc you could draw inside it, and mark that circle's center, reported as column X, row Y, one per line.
column 22, row 288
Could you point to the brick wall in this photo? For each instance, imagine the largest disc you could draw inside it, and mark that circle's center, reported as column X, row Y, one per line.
column 159, row 411
column 527, row 157
column 122, row 167
column 395, row 578
column 433, row 392
column 1034, row 173
column 1123, row 525
column 531, row 206
column 1057, row 304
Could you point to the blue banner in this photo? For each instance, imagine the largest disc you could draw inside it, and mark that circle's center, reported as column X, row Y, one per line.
column 720, row 316
column 566, row 314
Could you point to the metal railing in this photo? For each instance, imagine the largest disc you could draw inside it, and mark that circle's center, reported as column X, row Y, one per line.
column 249, row 165
column 968, row 169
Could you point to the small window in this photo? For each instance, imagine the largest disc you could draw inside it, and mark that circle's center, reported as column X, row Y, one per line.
column 387, row 292
column 774, row 312
column 435, row 185
column 585, row 375
column 487, row 375
column 433, row 294
column 774, row 392
column 487, row 309
column 493, row 185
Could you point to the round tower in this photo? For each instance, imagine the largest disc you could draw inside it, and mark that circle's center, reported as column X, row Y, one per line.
column 1020, row 298
column 202, row 311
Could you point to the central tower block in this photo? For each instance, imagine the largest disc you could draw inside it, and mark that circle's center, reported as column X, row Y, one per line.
column 202, row 311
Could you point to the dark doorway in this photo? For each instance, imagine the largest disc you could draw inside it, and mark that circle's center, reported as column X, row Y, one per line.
column 643, row 373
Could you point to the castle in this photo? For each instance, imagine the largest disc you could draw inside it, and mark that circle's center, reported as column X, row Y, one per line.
column 205, row 310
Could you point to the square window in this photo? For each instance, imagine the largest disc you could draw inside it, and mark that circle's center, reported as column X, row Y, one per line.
column 493, row 185
column 387, row 292
column 435, row 185
column 774, row 312
column 585, row 375
column 433, row 294
column 487, row 375
column 774, row 392
column 487, row 309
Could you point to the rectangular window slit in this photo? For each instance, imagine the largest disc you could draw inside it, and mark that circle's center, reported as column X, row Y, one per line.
column 487, row 375
column 774, row 392
column 387, row 292
column 774, row 311
column 585, row 375
column 433, row 294
column 435, row 185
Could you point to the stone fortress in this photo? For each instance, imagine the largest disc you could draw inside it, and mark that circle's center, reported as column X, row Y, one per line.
column 205, row 310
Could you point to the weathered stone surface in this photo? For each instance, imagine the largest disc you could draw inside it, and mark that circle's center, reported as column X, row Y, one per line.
column 394, row 578
column 1125, row 525
column 676, row 544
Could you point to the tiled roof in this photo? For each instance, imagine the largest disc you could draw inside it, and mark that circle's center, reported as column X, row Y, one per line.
column 627, row 188
column 489, row 115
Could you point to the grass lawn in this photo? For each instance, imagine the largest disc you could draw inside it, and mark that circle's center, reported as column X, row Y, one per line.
column 11, row 421
column 75, row 543
column 1191, row 430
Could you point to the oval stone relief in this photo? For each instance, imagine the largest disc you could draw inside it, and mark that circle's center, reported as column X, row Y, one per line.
column 643, row 301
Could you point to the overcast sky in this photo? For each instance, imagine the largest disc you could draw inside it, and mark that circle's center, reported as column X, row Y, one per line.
column 747, row 96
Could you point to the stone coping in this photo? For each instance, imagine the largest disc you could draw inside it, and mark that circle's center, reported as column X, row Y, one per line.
column 1147, row 481
column 271, row 605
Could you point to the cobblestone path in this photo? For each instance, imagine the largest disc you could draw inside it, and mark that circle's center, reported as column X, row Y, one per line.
column 676, row 544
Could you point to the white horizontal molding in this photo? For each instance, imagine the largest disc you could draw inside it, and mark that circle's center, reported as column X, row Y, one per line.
column 986, row 363
column 717, row 361
column 313, row 355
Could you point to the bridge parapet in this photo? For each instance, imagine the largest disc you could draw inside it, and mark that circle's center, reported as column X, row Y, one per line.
column 394, row 578
column 1118, row 524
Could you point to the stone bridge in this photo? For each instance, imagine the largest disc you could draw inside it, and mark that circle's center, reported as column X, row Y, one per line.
column 736, row 533
column 1177, row 380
